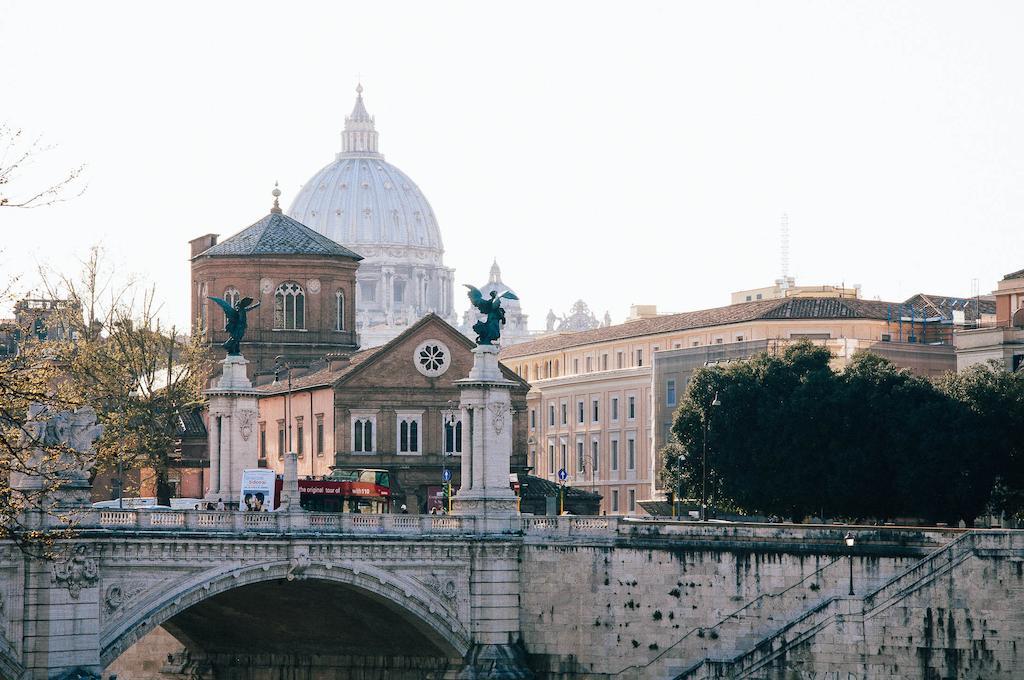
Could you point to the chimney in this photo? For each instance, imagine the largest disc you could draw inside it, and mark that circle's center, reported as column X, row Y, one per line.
column 202, row 244
column 336, row 362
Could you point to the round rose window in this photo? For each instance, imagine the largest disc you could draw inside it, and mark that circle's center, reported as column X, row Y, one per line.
column 432, row 358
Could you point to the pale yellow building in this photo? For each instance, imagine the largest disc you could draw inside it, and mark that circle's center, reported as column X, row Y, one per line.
column 591, row 409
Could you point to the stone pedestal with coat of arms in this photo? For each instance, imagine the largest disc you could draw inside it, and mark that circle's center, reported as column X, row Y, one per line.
column 233, row 431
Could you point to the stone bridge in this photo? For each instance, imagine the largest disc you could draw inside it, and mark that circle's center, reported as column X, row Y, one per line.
column 408, row 596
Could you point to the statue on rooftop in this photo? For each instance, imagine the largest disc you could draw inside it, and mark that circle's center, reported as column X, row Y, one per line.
column 489, row 330
column 236, row 321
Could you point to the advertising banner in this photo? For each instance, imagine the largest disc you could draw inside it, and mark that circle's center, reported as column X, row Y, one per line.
column 258, row 488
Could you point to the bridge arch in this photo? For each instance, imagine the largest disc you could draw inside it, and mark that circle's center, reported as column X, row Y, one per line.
column 418, row 606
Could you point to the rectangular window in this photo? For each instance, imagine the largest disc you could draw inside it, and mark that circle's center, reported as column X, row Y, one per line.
column 632, row 408
column 594, row 458
column 320, row 434
column 551, row 459
column 632, row 500
column 615, row 455
column 589, row 366
column 580, row 462
column 399, row 291
column 670, row 393
column 280, row 439
column 565, row 413
column 596, row 410
column 615, row 500
column 615, row 409
column 579, row 411
column 551, row 415
column 263, row 441
column 619, row 360
column 299, row 438
column 565, row 457
column 639, row 357
column 575, row 365
column 604, row 362
column 533, row 419
column 630, row 454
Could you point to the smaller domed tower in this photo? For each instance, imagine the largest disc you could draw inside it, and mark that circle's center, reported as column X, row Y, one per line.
column 304, row 282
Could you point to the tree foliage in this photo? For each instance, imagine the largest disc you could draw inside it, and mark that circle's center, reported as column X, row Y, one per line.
column 792, row 437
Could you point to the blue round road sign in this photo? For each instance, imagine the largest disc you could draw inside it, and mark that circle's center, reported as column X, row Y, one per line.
column 446, row 475
column 563, row 475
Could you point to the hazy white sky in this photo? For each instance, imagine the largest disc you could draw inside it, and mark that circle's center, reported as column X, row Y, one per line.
column 620, row 152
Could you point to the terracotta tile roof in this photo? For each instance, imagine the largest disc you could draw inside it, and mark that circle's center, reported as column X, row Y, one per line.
column 790, row 308
column 324, row 377
column 944, row 305
column 278, row 234
column 1019, row 274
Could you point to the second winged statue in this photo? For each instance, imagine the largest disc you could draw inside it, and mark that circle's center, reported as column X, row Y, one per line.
column 488, row 330
column 236, row 322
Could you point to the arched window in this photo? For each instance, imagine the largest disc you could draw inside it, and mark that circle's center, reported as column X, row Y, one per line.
column 362, row 434
column 453, row 437
column 204, row 305
column 231, row 296
column 289, row 307
column 339, row 310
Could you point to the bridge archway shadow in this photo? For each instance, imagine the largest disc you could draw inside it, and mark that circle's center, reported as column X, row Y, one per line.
column 241, row 622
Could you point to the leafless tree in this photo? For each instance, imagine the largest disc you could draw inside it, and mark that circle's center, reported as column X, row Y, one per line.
column 18, row 153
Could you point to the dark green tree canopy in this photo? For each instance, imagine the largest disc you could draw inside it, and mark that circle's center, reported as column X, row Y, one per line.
column 792, row 437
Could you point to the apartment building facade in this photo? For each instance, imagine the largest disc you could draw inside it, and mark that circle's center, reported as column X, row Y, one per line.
column 596, row 410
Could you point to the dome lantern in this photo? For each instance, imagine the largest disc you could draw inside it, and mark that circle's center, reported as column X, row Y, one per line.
column 360, row 135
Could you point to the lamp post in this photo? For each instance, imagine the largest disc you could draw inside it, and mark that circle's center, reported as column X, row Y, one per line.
column 706, row 418
column 281, row 364
column 448, row 416
column 849, row 544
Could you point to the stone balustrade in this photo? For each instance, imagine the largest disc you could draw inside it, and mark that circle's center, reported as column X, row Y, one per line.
column 820, row 539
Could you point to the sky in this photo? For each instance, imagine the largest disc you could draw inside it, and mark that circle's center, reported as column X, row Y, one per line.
column 622, row 153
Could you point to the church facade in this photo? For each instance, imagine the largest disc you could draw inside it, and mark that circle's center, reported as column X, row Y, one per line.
column 362, row 201
column 394, row 407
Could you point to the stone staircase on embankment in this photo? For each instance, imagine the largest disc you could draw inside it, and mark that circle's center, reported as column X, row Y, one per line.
column 747, row 625
column 756, row 657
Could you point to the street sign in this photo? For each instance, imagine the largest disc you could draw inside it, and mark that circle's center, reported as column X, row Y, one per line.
column 562, row 475
column 446, row 475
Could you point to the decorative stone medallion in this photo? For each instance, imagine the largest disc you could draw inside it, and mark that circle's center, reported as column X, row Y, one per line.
column 77, row 571
column 313, row 285
column 432, row 358
column 266, row 286
column 498, row 411
column 246, row 419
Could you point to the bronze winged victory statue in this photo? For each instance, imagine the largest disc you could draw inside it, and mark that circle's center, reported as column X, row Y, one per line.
column 489, row 330
column 236, row 321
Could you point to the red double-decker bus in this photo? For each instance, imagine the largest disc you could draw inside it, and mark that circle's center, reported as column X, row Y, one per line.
column 345, row 490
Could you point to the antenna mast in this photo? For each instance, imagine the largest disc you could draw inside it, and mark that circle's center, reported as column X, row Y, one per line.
column 784, row 250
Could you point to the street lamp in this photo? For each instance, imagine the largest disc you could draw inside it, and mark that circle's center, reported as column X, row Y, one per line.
column 706, row 418
column 849, row 544
column 448, row 416
column 281, row 364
